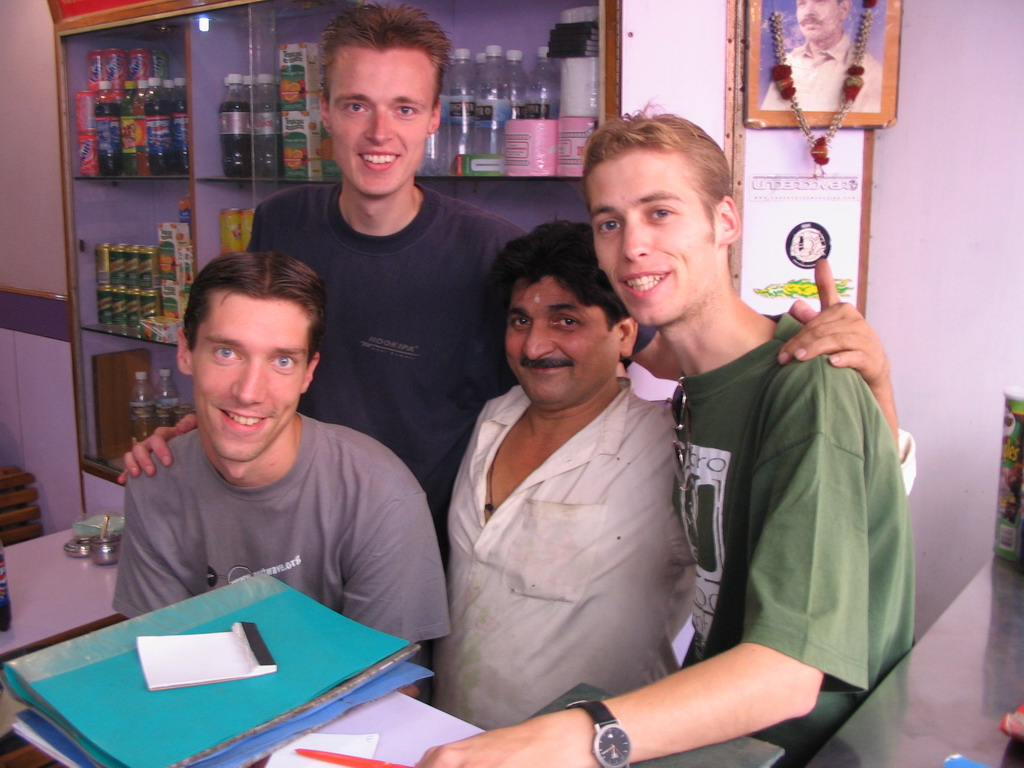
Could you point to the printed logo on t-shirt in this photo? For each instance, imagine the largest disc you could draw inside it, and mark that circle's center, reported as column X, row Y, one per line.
column 702, row 515
column 242, row 572
column 396, row 348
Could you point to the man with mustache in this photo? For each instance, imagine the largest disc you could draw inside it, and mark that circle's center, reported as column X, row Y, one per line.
column 565, row 549
column 820, row 64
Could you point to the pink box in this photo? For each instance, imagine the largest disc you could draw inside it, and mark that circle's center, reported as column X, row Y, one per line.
column 531, row 148
column 573, row 133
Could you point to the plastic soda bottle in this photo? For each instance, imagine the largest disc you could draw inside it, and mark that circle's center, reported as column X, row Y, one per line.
column 544, row 94
column 158, row 129
column 179, row 123
column 518, row 83
column 267, row 147
column 142, row 407
column 493, row 108
column 129, row 165
column 461, row 104
column 5, row 595
column 166, row 390
column 138, row 107
column 235, row 129
column 108, row 130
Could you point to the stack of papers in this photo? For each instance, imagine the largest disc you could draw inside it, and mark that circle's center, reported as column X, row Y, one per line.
column 89, row 701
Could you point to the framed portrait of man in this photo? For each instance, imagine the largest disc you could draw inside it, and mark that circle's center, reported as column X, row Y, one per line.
column 820, row 41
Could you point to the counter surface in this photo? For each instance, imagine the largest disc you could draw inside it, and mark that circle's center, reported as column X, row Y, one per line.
column 51, row 592
column 949, row 693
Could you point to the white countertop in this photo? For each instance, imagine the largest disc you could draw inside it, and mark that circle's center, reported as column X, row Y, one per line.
column 51, row 592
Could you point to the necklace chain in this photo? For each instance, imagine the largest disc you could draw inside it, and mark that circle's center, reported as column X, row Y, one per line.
column 782, row 75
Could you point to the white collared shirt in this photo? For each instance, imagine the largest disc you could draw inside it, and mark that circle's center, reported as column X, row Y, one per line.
column 582, row 574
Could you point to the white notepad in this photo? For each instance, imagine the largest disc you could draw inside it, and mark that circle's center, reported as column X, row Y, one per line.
column 173, row 661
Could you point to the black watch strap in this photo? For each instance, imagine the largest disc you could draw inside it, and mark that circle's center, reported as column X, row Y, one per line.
column 597, row 710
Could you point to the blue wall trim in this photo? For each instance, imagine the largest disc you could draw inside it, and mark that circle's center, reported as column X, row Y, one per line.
column 37, row 315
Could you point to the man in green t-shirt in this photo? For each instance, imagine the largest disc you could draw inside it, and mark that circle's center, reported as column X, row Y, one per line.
column 789, row 485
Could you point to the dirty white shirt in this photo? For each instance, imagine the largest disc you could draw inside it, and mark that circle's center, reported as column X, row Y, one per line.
column 582, row 575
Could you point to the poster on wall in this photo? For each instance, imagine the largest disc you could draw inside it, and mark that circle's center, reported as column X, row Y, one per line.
column 808, row 58
column 792, row 219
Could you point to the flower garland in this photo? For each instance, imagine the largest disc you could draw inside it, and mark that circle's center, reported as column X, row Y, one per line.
column 782, row 75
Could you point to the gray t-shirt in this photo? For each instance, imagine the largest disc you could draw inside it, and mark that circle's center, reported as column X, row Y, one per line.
column 348, row 525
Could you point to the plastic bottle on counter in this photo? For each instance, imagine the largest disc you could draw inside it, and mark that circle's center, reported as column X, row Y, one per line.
column 108, row 130
column 5, row 595
column 142, row 406
column 235, row 129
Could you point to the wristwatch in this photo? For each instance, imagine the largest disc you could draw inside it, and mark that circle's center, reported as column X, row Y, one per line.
column 611, row 743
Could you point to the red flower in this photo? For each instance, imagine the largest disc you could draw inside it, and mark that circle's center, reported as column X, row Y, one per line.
column 870, row 3
column 820, row 151
column 788, row 93
column 852, row 87
column 856, row 70
column 780, row 71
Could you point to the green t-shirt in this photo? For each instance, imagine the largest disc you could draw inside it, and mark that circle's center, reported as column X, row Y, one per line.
column 798, row 518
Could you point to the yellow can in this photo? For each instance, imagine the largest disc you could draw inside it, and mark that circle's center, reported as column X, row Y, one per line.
column 230, row 230
column 103, row 264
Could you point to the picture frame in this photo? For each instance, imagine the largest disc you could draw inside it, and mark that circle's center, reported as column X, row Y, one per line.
column 876, row 104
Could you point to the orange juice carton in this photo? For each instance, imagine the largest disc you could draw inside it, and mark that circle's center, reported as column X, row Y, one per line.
column 330, row 167
column 302, row 146
column 299, row 67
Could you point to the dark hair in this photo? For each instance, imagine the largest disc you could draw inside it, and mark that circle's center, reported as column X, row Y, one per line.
column 563, row 250
column 664, row 133
column 269, row 275
column 381, row 27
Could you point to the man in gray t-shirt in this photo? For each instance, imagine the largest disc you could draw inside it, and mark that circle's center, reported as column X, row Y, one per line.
column 257, row 488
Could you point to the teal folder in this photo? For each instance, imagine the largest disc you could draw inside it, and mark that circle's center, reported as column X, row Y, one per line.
column 93, row 688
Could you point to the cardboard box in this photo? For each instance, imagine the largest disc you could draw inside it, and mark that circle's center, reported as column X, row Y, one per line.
column 480, row 165
column 302, row 159
column 299, row 68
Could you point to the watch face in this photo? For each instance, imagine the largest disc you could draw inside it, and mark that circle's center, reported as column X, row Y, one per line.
column 807, row 244
column 613, row 746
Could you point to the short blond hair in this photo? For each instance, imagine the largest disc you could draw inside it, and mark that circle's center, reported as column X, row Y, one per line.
column 664, row 133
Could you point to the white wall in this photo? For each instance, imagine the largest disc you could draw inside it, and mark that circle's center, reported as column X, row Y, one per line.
column 32, row 248
column 946, row 281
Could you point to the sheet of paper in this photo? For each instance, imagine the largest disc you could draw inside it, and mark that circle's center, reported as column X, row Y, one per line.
column 364, row 745
column 172, row 661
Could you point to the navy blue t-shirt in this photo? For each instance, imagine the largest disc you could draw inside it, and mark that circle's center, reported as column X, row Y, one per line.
column 414, row 342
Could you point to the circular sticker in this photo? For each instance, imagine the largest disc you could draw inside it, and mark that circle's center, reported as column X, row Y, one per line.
column 807, row 244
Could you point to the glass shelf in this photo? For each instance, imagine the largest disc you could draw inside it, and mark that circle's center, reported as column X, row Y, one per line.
column 115, row 179
column 125, row 332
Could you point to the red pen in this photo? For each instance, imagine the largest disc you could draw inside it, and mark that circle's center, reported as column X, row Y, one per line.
column 349, row 760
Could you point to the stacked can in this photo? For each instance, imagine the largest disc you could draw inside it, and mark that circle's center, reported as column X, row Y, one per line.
column 140, row 64
column 104, row 297
column 235, row 229
column 126, row 284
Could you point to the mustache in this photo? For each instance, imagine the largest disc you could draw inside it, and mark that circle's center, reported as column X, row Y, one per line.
column 545, row 362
